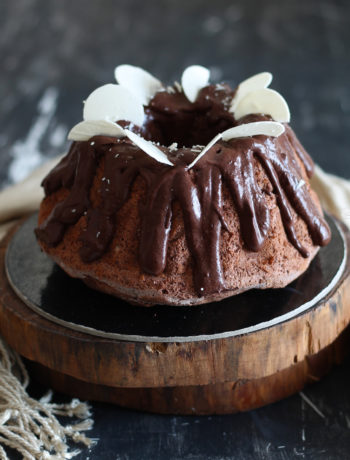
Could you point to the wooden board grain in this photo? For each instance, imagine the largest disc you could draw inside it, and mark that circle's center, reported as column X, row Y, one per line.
column 211, row 376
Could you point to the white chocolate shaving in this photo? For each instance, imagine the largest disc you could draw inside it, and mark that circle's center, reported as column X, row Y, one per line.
column 141, row 83
column 206, row 148
column 178, row 86
column 113, row 103
column 258, row 81
column 148, row 148
column 259, row 128
column 84, row 130
column 265, row 101
column 265, row 128
column 194, row 78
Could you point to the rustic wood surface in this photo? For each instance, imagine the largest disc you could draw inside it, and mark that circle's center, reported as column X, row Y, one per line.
column 205, row 377
column 220, row 398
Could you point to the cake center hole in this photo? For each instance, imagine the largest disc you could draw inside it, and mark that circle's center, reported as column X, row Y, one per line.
column 172, row 118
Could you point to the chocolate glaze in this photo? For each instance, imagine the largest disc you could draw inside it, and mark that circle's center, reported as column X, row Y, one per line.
column 172, row 118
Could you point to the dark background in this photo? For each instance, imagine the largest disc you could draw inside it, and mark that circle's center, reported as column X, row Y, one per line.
column 53, row 53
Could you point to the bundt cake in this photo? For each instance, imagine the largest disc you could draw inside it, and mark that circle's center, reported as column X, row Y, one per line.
column 184, row 194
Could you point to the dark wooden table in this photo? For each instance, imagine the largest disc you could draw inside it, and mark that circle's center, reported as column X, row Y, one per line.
column 53, row 53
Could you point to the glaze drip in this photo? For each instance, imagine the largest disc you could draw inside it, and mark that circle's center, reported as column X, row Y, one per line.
column 198, row 191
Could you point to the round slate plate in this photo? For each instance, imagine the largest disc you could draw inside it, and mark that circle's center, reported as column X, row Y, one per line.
column 45, row 288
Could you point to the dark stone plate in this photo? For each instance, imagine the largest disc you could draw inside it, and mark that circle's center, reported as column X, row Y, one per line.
column 44, row 287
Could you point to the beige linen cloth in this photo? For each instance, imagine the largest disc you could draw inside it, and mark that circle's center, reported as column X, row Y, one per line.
column 31, row 426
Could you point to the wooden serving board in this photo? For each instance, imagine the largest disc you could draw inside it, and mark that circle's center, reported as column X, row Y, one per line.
column 235, row 355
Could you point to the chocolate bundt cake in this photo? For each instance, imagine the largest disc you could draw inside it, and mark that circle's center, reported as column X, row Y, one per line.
column 182, row 195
